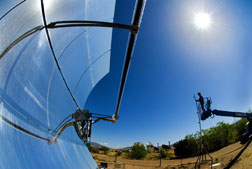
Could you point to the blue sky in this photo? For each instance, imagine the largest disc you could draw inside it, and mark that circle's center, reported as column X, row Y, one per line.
column 173, row 60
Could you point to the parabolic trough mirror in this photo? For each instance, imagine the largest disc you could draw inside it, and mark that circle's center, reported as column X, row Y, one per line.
column 52, row 54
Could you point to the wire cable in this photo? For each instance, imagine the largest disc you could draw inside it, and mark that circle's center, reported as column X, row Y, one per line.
column 54, row 55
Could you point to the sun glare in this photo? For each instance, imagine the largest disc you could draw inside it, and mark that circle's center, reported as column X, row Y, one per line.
column 202, row 20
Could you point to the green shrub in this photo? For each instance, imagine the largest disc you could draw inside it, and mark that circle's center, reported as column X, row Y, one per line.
column 163, row 153
column 104, row 149
column 93, row 149
column 138, row 151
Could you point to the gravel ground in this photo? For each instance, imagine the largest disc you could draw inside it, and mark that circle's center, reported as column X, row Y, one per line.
column 221, row 159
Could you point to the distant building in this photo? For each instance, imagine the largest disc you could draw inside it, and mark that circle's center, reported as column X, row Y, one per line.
column 172, row 147
column 148, row 144
column 150, row 147
column 156, row 149
column 166, row 147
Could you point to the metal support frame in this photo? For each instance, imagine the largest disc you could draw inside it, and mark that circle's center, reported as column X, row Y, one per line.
column 203, row 151
column 84, row 115
column 134, row 28
column 81, row 23
column 82, row 121
column 63, row 24
column 136, row 23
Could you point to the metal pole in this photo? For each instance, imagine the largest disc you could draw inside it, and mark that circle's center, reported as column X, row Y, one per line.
column 201, row 147
column 136, row 23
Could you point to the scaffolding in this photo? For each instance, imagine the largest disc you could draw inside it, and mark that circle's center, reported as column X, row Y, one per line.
column 202, row 157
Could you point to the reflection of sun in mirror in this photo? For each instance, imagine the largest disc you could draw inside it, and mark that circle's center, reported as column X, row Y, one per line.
column 202, row 20
column 47, row 4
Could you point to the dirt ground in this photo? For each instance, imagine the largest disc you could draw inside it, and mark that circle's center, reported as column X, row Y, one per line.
column 245, row 160
column 221, row 159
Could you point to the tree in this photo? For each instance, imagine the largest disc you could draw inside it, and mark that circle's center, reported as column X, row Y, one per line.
column 118, row 153
column 162, row 154
column 240, row 126
column 93, row 149
column 138, row 151
column 104, row 149
column 213, row 138
column 186, row 147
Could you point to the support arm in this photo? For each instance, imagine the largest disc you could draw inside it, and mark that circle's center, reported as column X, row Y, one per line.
column 208, row 113
column 232, row 114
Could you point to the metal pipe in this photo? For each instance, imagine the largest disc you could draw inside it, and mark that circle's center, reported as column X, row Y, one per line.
column 78, row 23
column 54, row 141
column 136, row 24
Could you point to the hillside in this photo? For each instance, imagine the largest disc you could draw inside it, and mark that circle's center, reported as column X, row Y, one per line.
column 221, row 157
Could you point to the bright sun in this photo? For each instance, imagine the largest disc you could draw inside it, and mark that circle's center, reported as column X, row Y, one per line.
column 202, row 20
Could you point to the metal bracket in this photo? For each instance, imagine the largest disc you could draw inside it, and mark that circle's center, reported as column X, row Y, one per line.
column 81, row 115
